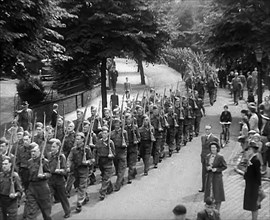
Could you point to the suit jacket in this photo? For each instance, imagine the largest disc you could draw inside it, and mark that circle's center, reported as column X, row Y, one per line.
column 206, row 145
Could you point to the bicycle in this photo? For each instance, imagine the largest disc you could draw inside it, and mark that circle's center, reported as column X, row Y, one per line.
column 225, row 134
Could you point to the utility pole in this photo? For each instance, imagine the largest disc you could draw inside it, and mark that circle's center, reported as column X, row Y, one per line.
column 103, row 84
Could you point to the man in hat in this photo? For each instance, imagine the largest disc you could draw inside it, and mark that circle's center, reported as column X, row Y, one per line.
column 54, row 115
column 147, row 138
column 105, row 152
column 199, row 112
column 120, row 140
column 209, row 212
column 78, row 122
column 180, row 212
column 8, row 199
column 38, row 193
column 80, row 157
column 206, row 140
column 25, row 116
column 254, row 119
column 59, row 128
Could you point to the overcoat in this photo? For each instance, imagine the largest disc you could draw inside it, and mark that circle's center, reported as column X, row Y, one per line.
column 214, row 183
column 252, row 178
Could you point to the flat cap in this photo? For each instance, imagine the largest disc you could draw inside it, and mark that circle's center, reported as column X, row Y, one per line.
column 80, row 134
column 179, row 210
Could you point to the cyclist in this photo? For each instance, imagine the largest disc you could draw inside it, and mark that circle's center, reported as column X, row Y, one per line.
column 225, row 117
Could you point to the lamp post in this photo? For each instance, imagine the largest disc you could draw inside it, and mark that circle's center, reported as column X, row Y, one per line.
column 259, row 53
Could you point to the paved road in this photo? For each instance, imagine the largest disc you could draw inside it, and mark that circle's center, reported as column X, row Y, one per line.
column 177, row 179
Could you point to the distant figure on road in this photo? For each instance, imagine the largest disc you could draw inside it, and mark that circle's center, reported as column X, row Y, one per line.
column 236, row 87
column 215, row 165
column 127, row 88
column 25, row 116
column 180, row 212
column 206, row 140
column 243, row 82
column 209, row 213
column 114, row 76
column 54, row 115
column 252, row 178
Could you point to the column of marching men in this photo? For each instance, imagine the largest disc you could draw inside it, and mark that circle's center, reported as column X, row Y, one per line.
column 48, row 162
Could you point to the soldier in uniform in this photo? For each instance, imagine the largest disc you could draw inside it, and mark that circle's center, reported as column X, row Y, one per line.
column 81, row 168
column 60, row 128
column 179, row 111
column 171, row 119
column 199, row 111
column 96, row 119
column 39, row 136
column 57, row 165
column 107, row 118
column 8, row 199
column 78, row 122
column 38, row 193
column 211, row 86
column 132, row 148
column 156, row 123
column 147, row 138
column 3, row 150
column 120, row 140
column 164, row 125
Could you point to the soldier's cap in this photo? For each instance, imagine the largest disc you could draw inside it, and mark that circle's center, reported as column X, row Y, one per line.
column 93, row 107
column 209, row 201
column 105, row 128
column 3, row 140
column 86, row 122
column 252, row 105
column 39, row 124
column 106, row 109
column 127, row 115
column 24, row 103
column 116, row 110
column 55, row 140
column 177, row 99
column 33, row 145
column 20, row 129
column 252, row 132
column 252, row 144
column 208, row 127
column 152, row 90
column 26, row 133
column 137, row 107
column 80, row 134
column 116, row 120
column 179, row 210
column 155, row 107
column 79, row 110
column 257, row 135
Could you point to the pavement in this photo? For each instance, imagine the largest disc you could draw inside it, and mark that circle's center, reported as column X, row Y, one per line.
column 178, row 178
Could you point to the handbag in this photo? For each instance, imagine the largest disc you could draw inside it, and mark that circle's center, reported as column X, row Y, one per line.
column 261, row 195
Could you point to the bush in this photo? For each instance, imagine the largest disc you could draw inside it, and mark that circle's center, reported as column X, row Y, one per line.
column 31, row 90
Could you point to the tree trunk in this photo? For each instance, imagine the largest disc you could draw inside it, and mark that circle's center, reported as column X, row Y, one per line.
column 140, row 67
column 103, row 84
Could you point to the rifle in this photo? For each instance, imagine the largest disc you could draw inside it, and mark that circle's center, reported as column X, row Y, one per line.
column 9, row 144
column 12, row 185
column 40, row 170
column 122, row 117
column 84, row 114
column 98, row 112
column 110, row 155
column 135, row 140
column 33, row 127
column 5, row 130
column 58, row 167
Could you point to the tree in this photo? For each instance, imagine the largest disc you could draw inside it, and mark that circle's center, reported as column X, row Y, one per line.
column 235, row 28
column 109, row 28
column 27, row 30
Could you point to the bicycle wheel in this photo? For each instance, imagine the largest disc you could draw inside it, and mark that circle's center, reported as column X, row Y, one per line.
column 221, row 140
column 227, row 135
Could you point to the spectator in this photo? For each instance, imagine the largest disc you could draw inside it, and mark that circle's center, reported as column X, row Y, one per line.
column 236, row 87
column 127, row 88
column 215, row 164
column 114, row 76
column 243, row 138
column 180, row 212
column 25, row 116
column 254, row 119
column 54, row 115
column 252, row 178
column 243, row 82
column 209, row 213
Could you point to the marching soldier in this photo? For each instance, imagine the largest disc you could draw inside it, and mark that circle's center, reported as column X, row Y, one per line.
column 198, row 113
column 96, row 119
column 8, row 199
column 147, row 138
column 80, row 157
column 179, row 111
column 60, row 128
column 78, row 122
column 57, row 165
column 107, row 117
column 120, row 140
column 39, row 136
column 171, row 119
column 164, row 125
column 156, row 123
column 38, row 193
column 139, row 120
column 105, row 151
column 132, row 148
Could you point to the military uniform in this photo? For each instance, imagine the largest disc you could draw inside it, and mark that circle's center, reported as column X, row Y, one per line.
column 163, row 139
column 39, row 139
column 171, row 131
column 132, row 149
column 156, row 123
column 57, row 180
column 120, row 160
column 179, row 111
column 81, row 171
column 139, row 122
column 60, row 132
column 9, row 206
column 188, row 120
column 146, row 146
column 97, row 123
column 38, row 193
column 105, row 165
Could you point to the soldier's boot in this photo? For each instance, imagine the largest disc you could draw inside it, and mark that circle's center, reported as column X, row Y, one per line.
column 170, row 153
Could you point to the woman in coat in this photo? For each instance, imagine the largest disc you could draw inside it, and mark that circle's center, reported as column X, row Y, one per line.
column 252, row 178
column 215, row 164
